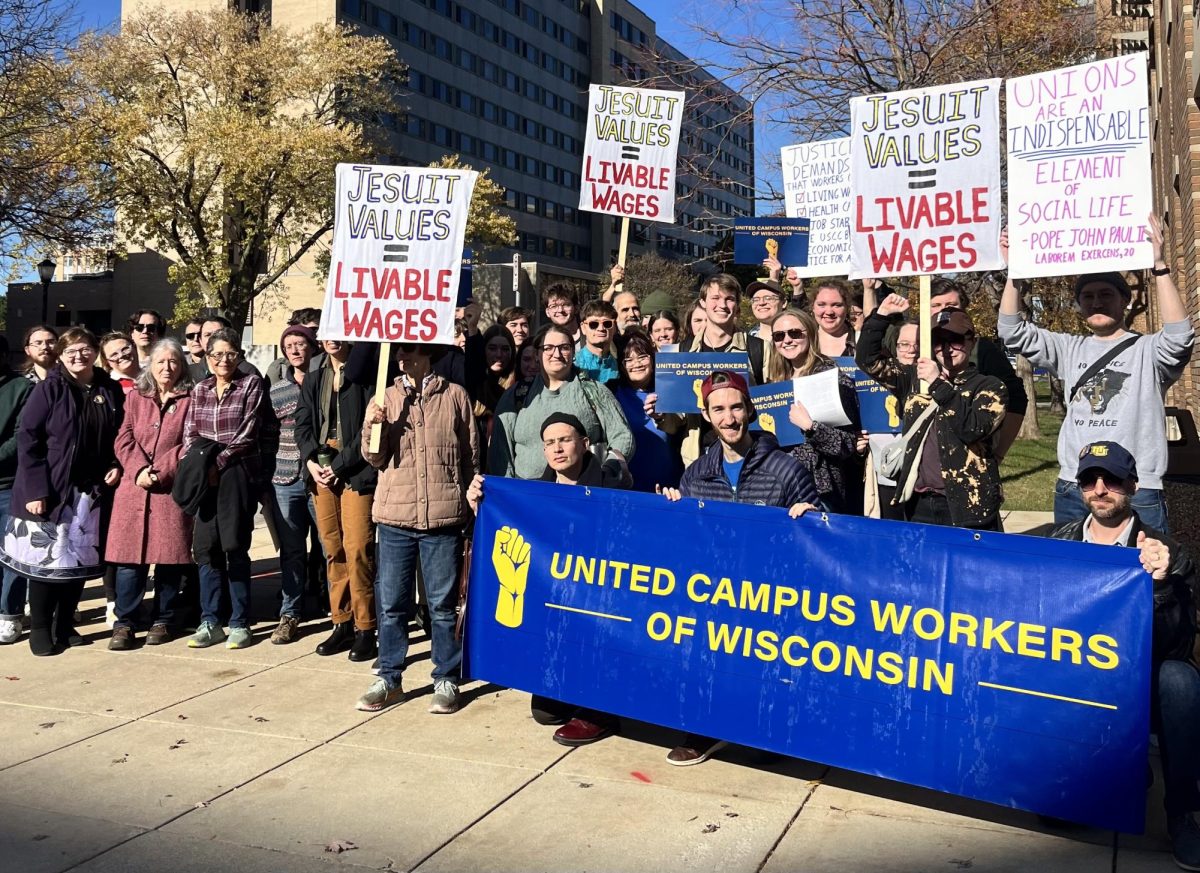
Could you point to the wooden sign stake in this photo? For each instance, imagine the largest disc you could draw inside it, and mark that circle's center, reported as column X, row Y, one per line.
column 624, row 246
column 926, row 339
column 385, row 357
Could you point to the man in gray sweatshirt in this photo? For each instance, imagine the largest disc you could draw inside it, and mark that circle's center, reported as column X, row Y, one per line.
column 1121, row 401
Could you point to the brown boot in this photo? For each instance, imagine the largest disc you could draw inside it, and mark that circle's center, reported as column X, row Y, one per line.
column 122, row 639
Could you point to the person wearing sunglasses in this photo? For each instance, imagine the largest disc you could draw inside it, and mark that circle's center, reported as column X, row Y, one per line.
column 595, row 357
column 516, row 447
column 1107, row 477
column 146, row 327
column 191, row 341
column 829, row 453
column 949, row 474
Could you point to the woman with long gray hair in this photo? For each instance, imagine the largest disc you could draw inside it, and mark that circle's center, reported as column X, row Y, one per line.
column 147, row 526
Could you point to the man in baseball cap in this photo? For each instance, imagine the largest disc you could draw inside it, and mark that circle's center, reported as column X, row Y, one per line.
column 743, row 466
column 1107, row 477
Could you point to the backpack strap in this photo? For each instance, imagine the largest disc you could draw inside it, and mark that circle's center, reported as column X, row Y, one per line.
column 1100, row 363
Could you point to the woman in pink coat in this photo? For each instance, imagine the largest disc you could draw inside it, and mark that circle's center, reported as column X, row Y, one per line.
column 147, row 526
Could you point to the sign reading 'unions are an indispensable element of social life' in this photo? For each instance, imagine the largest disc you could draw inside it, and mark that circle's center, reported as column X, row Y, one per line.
column 1079, row 184
column 630, row 152
column 397, row 253
column 926, row 171
column 1010, row 669
column 816, row 186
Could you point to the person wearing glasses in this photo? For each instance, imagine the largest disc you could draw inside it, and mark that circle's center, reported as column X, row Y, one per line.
column 657, row 436
column 907, row 344
column 329, row 419
column 41, row 352
column 119, row 357
column 191, row 342
column 66, row 470
column 767, row 300
column 146, row 327
column 829, row 453
column 949, row 475
column 595, row 357
column 560, row 302
column 516, row 448
column 202, row 369
column 227, row 408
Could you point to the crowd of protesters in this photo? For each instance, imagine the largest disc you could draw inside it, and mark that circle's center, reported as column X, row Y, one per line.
column 135, row 456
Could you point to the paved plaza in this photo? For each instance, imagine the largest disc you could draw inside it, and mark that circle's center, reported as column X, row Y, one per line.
column 170, row 759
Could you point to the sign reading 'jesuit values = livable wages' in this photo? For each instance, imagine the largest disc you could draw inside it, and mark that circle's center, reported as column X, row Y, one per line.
column 630, row 152
column 397, row 252
column 1079, row 184
column 816, row 186
column 926, row 171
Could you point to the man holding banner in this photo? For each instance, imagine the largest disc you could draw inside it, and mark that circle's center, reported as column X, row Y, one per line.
column 1107, row 477
column 1114, row 381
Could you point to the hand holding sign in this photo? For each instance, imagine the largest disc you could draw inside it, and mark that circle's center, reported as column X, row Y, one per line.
column 799, row 416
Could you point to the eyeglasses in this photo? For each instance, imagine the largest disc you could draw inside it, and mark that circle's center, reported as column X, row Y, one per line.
column 954, row 342
column 223, row 356
column 637, row 359
column 1089, row 478
column 122, row 353
column 152, row 327
column 563, row 351
column 760, row 299
column 79, row 354
column 597, row 323
column 795, row 333
column 559, row 307
column 904, row 345
column 194, row 335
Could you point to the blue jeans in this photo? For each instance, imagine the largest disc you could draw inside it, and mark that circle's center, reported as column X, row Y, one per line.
column 1175, row 715
column 131, row 586
column 235, row 573
column 398, row 551
column 1149, row 503
column 13, row 588
column 293, row 514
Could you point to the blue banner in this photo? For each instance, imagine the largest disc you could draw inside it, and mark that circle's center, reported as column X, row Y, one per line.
column 773, row 403
column 878, row 408
column 1005, row 668
column 678, row 375
column 755, row 239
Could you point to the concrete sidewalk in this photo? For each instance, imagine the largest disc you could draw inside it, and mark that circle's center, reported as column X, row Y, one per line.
column 256, row 760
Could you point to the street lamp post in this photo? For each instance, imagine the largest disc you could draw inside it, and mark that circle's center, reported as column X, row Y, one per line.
column 46, row 274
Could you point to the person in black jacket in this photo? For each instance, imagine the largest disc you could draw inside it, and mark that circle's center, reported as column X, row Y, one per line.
column 329, row 422
column 950, row 475
column 745, row 467
column 1107, row 477
column 14, row 390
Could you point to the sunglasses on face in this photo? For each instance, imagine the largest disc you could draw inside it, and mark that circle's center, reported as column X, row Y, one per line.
column 791, row 333
column 1088, row 480
column 146, row 328
column 195, row 335
column 596, row 324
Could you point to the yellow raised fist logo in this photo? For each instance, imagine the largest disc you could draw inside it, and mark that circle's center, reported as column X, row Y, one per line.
column 891, row 404
column 696, row 390
column 766, row 421
column 772, row 248
column 510, row 558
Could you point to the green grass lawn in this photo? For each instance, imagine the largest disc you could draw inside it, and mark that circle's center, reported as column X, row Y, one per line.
column 1030, row 468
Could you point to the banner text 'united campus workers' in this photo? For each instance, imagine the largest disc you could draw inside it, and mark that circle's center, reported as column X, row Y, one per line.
column 1005, row 668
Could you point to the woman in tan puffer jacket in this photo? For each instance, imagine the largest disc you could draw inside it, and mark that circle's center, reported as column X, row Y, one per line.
column 428, row 454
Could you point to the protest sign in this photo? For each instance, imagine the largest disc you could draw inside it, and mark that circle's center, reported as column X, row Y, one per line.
column 816, row 186
column 773, row 403
column 677, row 376
column 1079, row 185
column 925, row 166
column 397, row 253
column 878, row 409
column 755, row 239
column 630, row 152
column 1009, row 669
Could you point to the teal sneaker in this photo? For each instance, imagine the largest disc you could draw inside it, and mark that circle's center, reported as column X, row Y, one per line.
column 378, row 696
column 206, row 635
column 239, row 638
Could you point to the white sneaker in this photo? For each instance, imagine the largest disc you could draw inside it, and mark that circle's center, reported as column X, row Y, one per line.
column 10, row 630
column 110, row 615
column 445, row 697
